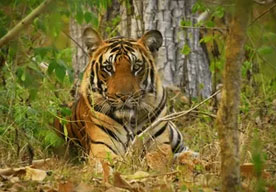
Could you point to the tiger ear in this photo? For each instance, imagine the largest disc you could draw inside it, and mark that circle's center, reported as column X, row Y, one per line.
column 91, row 39
column 152, row 39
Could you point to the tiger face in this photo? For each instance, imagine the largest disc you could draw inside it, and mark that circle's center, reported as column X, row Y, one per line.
column 121, row 96
column 121, row 76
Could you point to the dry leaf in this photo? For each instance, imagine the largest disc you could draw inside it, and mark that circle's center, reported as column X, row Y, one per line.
column 120, row 182
column 14, row 172
column 35, row 174
column 41, row 162
column 159, row 159
column 115, row 189
column 189, row 159
column 66, row 186
column 137, row 175
column 271, row 189
column 82, row 187
column 247, row 170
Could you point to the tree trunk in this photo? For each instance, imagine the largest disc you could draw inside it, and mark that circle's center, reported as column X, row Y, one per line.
column 79, row 59
column 189, row 72
column 227, row 116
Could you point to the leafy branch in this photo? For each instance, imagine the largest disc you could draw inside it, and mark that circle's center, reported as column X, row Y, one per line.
column 24, row 22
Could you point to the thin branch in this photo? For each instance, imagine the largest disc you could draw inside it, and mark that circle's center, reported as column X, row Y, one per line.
column 202, row 27
column 263, row 2
column 13, row 33
column 262, row 14
column 182, row 113
column 169, row 118
column 76, row 43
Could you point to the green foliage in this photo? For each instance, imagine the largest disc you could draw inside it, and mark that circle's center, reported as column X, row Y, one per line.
column 37, row 75
column 186, row 50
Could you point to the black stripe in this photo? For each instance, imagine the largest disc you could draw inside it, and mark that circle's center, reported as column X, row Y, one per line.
column 114, row 44
column 176, row 147
column 129, row 49
column 92, row 73
column 160, row 131
column 127, row 43
column 111, row 115
column 151, row 77
column 160, row 106
column 154, row 114
column 117, row 55
column 171, row 133
column 77, row 119
column 114, row 49
column 112, row 134
column 102, row 143
column 101, row 59
column 98, row 83
column 146, row 79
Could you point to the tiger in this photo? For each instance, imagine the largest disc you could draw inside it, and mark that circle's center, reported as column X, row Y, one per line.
column 120, row 96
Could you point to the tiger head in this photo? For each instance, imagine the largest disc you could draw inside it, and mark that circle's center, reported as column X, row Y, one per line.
column 121, row 77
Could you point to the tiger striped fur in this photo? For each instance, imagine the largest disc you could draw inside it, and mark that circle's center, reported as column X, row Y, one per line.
column 120, row 95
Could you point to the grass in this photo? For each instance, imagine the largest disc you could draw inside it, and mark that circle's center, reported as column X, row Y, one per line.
column 257, row 146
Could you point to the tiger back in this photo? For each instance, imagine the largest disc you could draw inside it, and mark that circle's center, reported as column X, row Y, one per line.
column 120, row 96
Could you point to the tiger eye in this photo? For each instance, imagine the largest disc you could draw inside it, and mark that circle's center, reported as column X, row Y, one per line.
column 109, row 68
column 136, row 67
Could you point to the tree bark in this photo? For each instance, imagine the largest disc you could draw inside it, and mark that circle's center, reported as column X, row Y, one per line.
column 189, row 72
column 79, row 59
column 227, row 116
column 24, row 22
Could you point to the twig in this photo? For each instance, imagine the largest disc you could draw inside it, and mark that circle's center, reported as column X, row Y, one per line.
column 24, row 22
column 262, row 14
column 182, row 113
column 154, row 175
column 205, row 113
column 204, row 27
column 261, row 2
column 169, row 118
column 76, row 43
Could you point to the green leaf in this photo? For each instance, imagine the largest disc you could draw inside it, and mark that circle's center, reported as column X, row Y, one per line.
column 266, row 50
column 41, row 51
column 51, row 138
column 60, row 72
column 65, row 111
column 39, row 24
column 185, row 23
column 94, row 21
column 33, row 93
column 198, row 7
column 51, row 67
column 206, row 39
column 270, row 36
column 210, row 23
column 65, row 131
column 186, row 50
column 87, row 17
column 219, row 12
column 19, row 73
column 245, row 67
column 79, row 16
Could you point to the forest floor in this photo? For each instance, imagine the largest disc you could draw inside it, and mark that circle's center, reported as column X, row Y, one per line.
column 59, row 173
